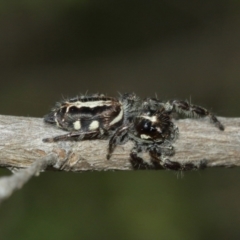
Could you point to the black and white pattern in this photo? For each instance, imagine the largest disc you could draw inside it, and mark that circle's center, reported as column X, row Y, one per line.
column 148, row 123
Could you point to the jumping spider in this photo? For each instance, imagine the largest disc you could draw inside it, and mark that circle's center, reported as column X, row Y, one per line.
column 148, row 123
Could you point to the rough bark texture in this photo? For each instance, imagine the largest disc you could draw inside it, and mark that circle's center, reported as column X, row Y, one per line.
column 21, row 145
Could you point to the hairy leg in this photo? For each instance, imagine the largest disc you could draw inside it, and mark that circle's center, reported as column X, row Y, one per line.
column 191, row 110
column 118, row 138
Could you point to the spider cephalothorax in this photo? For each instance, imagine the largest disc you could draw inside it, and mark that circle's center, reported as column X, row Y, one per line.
column 153, row 125
column 148, row 123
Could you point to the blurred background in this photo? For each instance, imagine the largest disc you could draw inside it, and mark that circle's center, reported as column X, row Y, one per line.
column 175, row 49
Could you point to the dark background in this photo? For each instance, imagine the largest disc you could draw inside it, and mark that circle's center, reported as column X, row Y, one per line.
column 175, row 49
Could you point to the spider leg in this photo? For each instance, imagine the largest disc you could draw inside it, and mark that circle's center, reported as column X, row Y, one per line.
column 155, row 153
column 191, row 110
column 137, row 161
column 76, row 135
column 161, row 161
column 118, row 138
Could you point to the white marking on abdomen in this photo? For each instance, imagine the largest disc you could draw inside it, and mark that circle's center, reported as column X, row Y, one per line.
column 118, row 118
column 77, row 125
column 90, row 104
column 94, row 125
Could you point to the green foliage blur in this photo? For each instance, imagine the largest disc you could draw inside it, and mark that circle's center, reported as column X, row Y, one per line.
column 175, row 49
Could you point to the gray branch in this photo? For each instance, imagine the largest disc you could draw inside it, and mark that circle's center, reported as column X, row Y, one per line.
column 23, row 151
column 21, row 146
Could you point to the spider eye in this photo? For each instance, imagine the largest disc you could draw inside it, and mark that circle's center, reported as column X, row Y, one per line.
column 148, row 127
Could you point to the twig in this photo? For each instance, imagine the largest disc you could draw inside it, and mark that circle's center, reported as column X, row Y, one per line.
column 21, row 145
column 11, row 183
